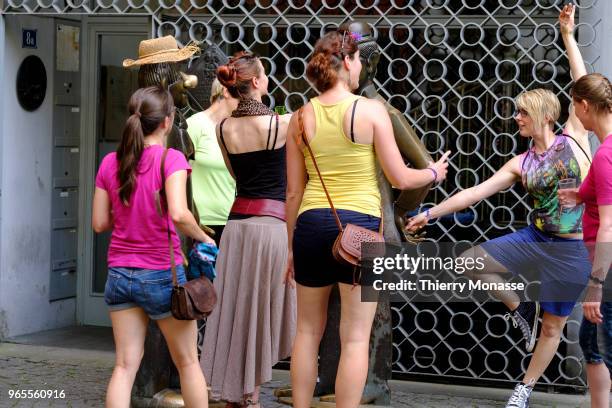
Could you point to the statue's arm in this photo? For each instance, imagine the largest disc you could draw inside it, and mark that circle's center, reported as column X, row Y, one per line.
column 414, row 151
column 388, row 153
column 408, row 142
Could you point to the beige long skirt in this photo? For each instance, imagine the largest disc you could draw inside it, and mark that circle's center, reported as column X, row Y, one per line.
column 253, row 324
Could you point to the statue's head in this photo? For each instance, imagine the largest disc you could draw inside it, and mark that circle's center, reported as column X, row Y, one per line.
column 160, row 61
column 369, row 53
column 205, row 68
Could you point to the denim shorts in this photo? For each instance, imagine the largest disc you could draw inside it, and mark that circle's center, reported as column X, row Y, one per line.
column 588, row 338
column 148, row 289
column 315, row 233
column 560, row 264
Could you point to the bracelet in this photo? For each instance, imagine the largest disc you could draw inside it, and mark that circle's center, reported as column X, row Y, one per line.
column 435, row 174
column 596, row 279
column 427, row 215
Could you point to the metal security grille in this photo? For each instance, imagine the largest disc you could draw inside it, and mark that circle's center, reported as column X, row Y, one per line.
column 453, row 67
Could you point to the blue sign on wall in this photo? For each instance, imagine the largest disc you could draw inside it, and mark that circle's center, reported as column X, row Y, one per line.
column 28, row 38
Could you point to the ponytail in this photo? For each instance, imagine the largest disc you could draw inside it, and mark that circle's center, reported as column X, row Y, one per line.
column 148, row 108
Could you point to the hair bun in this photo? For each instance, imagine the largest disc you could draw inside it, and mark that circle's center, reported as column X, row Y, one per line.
column 227, row 75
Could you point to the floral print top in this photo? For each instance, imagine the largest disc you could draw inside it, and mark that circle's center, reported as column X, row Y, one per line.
column 540, row 174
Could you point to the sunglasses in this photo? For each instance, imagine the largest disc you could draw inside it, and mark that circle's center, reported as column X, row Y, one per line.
column 523, row 113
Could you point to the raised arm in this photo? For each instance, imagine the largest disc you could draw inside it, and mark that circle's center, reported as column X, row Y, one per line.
column 501, row 180
column 577, row 69
column 390, row 158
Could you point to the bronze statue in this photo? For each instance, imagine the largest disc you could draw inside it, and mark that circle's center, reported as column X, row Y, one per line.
column 411, row 147
column 376, row 390
column 167, row 74
column 205, row 69
column 158, row 62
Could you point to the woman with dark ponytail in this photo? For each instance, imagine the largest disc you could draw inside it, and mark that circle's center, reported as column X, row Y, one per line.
column 139, row 282
column 592, row 100
column 252, row 327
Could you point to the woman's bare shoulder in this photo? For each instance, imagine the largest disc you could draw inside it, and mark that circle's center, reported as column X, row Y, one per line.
column 371, row 106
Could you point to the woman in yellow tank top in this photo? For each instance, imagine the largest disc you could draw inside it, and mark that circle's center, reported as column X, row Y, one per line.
column 347, row 134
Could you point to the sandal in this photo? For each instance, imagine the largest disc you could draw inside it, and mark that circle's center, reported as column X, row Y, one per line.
column 250, row 402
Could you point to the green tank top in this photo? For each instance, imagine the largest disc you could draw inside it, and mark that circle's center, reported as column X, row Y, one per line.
column 214, row 189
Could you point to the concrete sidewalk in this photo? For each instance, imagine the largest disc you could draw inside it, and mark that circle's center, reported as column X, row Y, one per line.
column 83, row 375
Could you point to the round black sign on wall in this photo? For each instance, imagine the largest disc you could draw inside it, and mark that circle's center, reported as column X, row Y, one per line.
column 31, row 83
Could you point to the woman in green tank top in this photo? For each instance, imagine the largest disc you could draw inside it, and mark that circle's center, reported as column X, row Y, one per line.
column 214, row 187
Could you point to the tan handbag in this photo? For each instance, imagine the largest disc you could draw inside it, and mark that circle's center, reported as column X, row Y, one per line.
column 193, row 300
column 347, row 246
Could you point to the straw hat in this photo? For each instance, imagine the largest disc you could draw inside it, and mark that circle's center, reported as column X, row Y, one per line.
column 164, row 49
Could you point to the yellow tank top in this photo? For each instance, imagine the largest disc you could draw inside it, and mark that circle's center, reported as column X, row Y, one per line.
column 348, row 169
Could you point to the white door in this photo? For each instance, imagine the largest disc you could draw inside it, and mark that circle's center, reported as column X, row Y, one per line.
column 106, row 90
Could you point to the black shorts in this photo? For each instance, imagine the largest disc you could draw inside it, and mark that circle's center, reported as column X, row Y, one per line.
column 313, row 238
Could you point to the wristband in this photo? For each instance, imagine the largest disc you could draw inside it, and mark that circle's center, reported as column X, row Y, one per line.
column 596, row 279
column 435, row 174
column 427, row 215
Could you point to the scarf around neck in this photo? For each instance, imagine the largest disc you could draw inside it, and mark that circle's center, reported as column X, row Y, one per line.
column 251, row 107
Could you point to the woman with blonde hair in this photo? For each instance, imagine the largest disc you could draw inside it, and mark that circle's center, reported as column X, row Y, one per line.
column 347, row 135
column 551, row 246
column 214, row 188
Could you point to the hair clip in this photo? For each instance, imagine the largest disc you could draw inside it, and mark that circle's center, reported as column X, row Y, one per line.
column 342, row 45
column 356, row 36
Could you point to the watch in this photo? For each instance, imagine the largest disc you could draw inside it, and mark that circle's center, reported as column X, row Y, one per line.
column 596, row 279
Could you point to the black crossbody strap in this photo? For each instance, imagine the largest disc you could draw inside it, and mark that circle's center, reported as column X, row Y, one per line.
column 578, row 144
column 353, row 120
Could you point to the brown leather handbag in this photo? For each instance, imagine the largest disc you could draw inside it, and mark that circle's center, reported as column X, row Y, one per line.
column 193, row 300
column 347, row 246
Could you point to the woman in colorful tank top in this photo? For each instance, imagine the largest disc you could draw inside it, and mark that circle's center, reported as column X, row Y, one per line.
column 344, row 131
column 550, row 249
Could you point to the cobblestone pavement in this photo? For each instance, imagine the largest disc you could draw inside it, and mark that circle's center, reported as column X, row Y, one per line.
column 83, row 375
